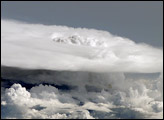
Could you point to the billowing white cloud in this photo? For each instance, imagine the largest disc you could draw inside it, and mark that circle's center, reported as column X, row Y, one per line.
column 39, row 46
column 45, row 101
column 91, row 63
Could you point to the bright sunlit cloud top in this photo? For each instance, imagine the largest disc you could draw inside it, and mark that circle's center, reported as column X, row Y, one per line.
column 37, row 46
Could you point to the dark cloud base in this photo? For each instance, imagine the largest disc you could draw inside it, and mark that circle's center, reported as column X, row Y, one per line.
column 70, row 82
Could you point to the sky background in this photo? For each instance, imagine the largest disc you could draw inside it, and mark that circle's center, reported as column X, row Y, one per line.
column 139, row 21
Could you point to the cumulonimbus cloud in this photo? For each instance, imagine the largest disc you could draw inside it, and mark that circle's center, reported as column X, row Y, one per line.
column 91, row 63
column 77, row 49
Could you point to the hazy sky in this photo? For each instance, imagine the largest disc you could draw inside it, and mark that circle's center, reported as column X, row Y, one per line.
column 139, row 21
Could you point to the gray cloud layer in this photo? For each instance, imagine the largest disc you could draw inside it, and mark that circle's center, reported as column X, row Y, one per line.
column 89, row 95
